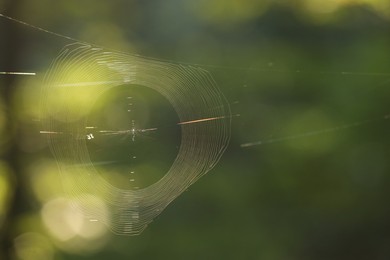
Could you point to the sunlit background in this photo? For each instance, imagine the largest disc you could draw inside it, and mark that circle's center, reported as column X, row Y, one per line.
column 306, row 173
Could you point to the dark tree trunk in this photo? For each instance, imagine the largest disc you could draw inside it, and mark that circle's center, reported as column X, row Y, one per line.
column 9, row 60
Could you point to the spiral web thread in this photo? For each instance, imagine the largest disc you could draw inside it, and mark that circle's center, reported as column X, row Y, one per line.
column 77, row 77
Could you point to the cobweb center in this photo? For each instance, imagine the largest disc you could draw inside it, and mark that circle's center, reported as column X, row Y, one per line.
column 132, row 136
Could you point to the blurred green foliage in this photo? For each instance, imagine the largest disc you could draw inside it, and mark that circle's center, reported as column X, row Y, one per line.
column 290, row 69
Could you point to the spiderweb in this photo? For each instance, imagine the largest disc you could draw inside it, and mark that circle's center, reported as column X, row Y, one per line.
column 83, row 75
column 78, row 77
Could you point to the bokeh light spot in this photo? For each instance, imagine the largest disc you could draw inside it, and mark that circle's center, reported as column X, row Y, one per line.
column 65, row 221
